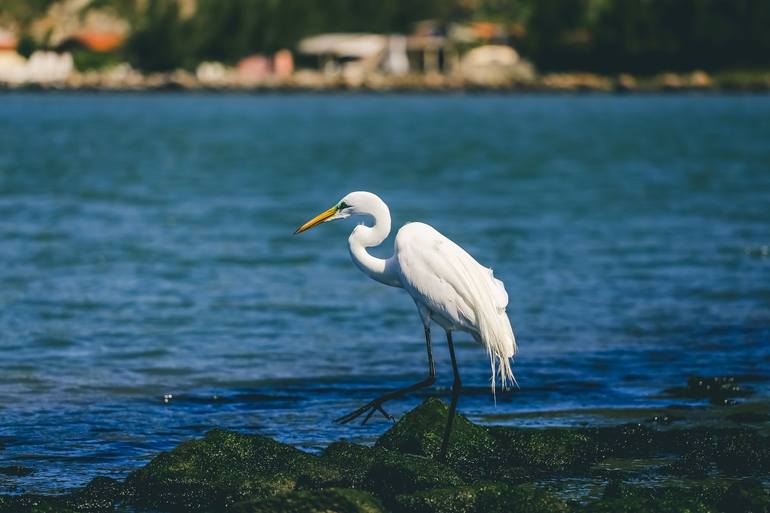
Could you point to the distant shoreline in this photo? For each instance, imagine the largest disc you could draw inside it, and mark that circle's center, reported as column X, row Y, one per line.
column 181, row 81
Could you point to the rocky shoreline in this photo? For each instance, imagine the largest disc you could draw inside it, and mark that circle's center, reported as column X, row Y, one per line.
column 719, row 463
column 125, row 79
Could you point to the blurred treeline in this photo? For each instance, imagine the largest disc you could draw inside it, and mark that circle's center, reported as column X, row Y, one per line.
column 637, row 36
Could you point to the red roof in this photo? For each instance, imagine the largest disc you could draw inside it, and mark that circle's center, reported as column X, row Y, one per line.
column 99, row 41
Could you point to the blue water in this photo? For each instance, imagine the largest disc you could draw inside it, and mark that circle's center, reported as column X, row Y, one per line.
column 147, row 249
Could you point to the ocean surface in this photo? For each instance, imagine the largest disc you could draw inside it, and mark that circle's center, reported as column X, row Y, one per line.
column 151, row 287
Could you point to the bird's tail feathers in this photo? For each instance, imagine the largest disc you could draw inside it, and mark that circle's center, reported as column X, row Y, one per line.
column 495, row 331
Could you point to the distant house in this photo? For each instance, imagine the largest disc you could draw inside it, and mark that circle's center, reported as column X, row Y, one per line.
column 93, row 40
column 345, row 53
column 8, row 41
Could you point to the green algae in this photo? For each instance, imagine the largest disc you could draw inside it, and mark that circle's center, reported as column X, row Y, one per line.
column 217, row 471
column 482, row 498
column 393, row 473
column 471, row 449
column 324, row 501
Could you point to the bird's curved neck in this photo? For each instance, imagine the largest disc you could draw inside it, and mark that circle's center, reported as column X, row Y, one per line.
column 364, row 236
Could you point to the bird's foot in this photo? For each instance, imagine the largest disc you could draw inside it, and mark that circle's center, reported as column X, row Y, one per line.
column 371, row 408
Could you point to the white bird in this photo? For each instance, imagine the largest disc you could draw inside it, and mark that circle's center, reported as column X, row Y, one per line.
column 448, row 285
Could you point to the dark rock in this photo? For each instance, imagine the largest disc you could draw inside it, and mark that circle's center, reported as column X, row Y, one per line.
column 481, row 498
column 33, row 504
column 471, row 449
column 219, row 470
column 394, row 473
column 98, row 495
column 664, row 419
column 333, row 500
column 627, row 440
column 353, row 462
column 616, row 489
column 745, row 497
column 719, row 390
column 627, row 499
column 519, row 499
column 16, row 470
column 742, row 452
column 546, row 451
column 749, row 417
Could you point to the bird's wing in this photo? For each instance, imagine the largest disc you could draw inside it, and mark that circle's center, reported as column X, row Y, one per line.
column 453, row 285
column 434, row 270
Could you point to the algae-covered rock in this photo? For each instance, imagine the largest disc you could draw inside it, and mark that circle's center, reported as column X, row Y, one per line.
column 736, row 452
column 625, row 499
column 481, row 498
column 742, row 453
column 333, row 500
column 33, row 504
column 471, row 449
column 16, row 470
column 98, row 495
column 218, row 470
column 626, row 440
column 393, row 473
column 352, row 460
column 718, row 390
column 546, row 451
column 519, row 499
column 745, row 497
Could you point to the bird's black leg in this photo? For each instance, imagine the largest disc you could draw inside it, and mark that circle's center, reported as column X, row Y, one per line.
column 456, row 387
column 376, row 405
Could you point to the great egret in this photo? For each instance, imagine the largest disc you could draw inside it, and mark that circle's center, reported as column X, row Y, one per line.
column 448, row 285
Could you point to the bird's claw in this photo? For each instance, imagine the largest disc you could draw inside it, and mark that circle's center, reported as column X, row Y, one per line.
column 371, row 408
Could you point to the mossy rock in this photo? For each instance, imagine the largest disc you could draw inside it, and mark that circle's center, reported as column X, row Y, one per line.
column 718, row 390
column 737, row 452
column 33, row 504
column 481, row 498
column 546, row 451
column 625, row 441
column 650, row 500
column 98, row 495
column 471, row 450
column 393, row 473
column 16, row 470
column 742, row 453
column 220, row 469
column 332, row 500
column 747, row 496
column 352, row 460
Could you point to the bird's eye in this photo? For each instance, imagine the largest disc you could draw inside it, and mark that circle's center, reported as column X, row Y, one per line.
column 343, row 205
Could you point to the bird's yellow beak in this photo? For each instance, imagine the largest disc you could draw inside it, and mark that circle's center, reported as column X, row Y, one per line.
column 320, row 218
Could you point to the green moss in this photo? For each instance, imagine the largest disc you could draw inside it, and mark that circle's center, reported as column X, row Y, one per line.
column 625, row 441
column 458, row 499
column 621, row 499
column 33, row 504
column 481, row 498
column 393, row 473
column 745, row 496
column 353, row 462
column 736, row 452
column 98, row 495
column 222, row 468
column 326, row 501
column 471, row 451
column 546, row 451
